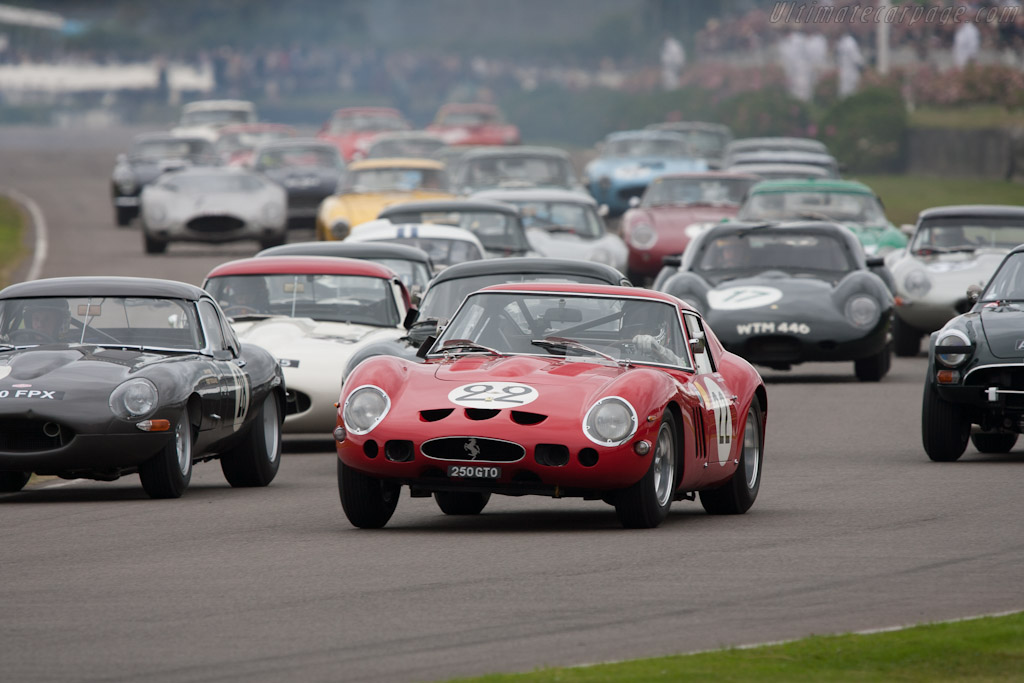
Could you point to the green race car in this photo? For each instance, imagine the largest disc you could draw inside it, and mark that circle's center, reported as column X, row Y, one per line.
column 847, row 202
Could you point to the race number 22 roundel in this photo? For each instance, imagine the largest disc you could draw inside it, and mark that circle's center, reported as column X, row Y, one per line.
column 494, row 395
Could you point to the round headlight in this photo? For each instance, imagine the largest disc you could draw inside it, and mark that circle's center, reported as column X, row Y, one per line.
column 917, row 283
column 340, row 230
column 156, row 215
column 601, row 255
column 951, row 338
column 610, row 422
column 134, row 400
column 365, row 408
column 272, row 214
column 862, row 310
column 643, row 236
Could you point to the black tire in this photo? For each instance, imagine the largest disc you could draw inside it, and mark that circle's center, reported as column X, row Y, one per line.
column 873, row 368
column 12, row 482
column 994, row 443
column 153, row 245
column 368, row 502
column 944, row 427
column 905, row 338
column 168, row 473
column 461, row 502
column 737, row 495
column 645, row 504
column 123, row 216
column 255, row 459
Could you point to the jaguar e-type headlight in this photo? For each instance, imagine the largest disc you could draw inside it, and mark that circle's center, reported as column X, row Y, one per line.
column 365, row 408
column 272, row 213
column 601, row 255
column 862, row 310
column 610, row 422
column 643, row 236
column 917, row 283
column 951, row 338
column 156, row 215
column 135, row 399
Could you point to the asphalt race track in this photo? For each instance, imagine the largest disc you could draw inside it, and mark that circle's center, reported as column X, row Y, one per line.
column 854, row 529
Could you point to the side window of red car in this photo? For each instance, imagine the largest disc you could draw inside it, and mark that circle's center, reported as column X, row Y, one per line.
column 698, row 344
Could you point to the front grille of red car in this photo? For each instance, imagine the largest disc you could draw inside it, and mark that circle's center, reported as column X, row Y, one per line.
column 29, row 436
column 215, row 224
column 471, row 448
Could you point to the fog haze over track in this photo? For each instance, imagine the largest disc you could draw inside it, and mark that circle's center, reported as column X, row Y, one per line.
column 854, row 528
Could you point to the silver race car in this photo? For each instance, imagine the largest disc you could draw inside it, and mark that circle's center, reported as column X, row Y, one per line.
column 953, row 247
column 213, row 205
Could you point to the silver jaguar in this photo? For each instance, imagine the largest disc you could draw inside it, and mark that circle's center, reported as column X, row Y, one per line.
column 952, row 247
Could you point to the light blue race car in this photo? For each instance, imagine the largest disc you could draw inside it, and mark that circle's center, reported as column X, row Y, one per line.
column 629, row 160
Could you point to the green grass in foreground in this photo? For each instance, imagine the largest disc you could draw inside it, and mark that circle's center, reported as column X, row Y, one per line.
column 989, row 649
column 977, row 116
column 905, row 196
column 10, row 237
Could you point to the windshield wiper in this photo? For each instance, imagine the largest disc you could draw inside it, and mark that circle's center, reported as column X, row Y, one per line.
column 469, row 345
column 565, row 344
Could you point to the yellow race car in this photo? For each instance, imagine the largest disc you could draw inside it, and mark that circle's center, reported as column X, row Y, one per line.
column 373, row 184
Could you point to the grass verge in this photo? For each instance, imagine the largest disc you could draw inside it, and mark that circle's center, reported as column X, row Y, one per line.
column 986, row 649
column 978, row 116
column 11, row 225
column 905, row 196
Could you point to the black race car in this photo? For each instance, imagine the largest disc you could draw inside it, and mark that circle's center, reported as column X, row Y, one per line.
column 976, row 370
column 449, row 287
column 106, row 376
column 497, row 225
column 411, row 264
column 786, row 293
column 152, row 155
column 309, row 171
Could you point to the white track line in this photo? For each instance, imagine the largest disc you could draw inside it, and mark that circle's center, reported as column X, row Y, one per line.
column 42, row 235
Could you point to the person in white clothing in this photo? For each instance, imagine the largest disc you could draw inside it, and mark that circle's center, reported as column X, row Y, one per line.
column 673, row 57
column 966, row 43
column 850, row 61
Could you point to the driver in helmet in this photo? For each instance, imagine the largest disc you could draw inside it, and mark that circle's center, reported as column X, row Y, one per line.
column 648, row 327
column 249, row 296
column 48, row 318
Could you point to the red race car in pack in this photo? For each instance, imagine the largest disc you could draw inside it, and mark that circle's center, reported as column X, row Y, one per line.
column 350, row 126
column 473, row 124
column 562, row 390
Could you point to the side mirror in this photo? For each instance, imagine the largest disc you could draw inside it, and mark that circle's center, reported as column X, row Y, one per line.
column 223, row 354
column 410, row 317
column 634, row 202
column 974, row 293
column 425, row 346
column 698, row 343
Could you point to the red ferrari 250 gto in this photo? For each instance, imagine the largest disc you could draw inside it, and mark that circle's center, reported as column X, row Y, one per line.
column 592, row 391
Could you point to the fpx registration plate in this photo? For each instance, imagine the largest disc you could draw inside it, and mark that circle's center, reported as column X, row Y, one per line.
column 474, row 471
